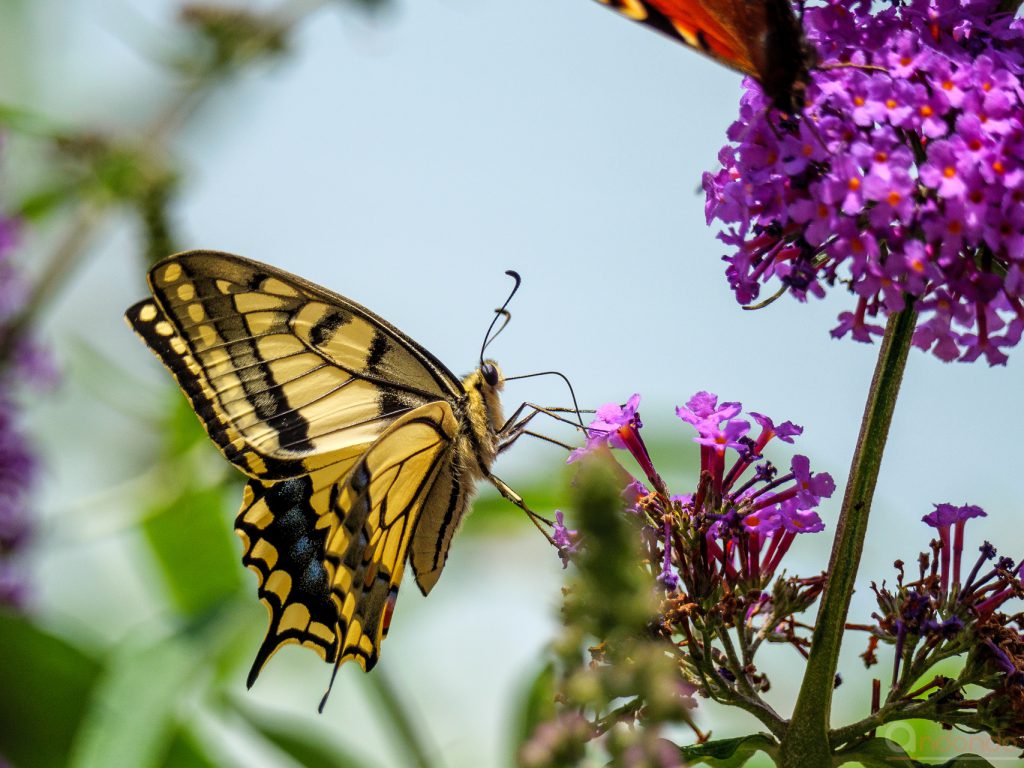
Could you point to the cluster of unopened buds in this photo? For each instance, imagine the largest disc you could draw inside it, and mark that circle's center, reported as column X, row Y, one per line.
column 953, row 608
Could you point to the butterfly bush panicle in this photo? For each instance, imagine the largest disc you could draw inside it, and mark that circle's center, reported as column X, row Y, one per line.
column 710, row 594
column 952, row 607
column 739, row 522
column 903, row 176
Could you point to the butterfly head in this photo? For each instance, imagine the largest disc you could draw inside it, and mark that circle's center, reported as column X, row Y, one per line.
column 483, row 387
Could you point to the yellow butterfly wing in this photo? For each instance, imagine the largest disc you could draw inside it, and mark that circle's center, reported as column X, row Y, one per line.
column 279, row 369
column 354, row 438
column 330, row 552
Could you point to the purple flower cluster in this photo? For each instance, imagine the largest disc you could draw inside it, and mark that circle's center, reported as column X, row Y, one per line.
column 950, row 607
column 23, row 364
column 742, row 518
column 902, row 178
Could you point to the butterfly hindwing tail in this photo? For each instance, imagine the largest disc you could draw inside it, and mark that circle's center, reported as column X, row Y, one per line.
column 284, row 544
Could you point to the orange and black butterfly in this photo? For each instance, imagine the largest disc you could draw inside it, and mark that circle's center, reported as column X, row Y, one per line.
column 760, row 38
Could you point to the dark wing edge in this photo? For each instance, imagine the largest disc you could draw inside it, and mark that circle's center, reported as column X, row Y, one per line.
column 153, row 326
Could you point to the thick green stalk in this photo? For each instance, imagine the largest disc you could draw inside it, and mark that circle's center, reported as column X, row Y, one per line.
column 806, row 744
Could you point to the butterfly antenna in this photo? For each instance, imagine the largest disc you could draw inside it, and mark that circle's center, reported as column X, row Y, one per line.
column 507, row 316
column 502, row 312
column 563, row 377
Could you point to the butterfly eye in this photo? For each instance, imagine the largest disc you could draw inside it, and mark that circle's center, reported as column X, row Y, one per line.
column 490, row 374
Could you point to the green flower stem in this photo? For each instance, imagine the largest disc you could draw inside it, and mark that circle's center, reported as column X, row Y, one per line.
column 704, row 668
column 912, row 709
column 807, row 740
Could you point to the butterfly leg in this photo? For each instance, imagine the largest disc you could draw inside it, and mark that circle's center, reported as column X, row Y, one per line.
column 516, row 499
column 515, row 426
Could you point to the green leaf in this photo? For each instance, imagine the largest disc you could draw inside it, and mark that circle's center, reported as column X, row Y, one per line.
column 729, row 753
column 295, row 739
column 195, row 549
column 188, row 751
column 132, row 713
column 42, row 202
column 46, row 683
column 24, row 121
column 538, row 704
column 882, row 753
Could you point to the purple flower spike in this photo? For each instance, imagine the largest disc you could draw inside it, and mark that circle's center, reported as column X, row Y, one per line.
column 740, row 520
column 902, row 178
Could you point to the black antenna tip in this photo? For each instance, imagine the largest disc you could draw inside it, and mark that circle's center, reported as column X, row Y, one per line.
column 514, row 275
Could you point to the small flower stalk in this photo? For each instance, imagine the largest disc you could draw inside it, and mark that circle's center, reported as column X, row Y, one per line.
column 903, row 177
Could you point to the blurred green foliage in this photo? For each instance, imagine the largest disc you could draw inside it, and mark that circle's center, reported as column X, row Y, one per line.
column 47, row 684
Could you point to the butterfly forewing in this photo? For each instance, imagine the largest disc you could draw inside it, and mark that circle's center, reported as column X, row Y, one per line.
column 279, row 369
column 761, row 38
column 690, row 23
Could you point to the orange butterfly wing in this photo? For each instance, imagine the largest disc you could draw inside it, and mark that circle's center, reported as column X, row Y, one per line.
column 761, row 38
column 713, row 32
